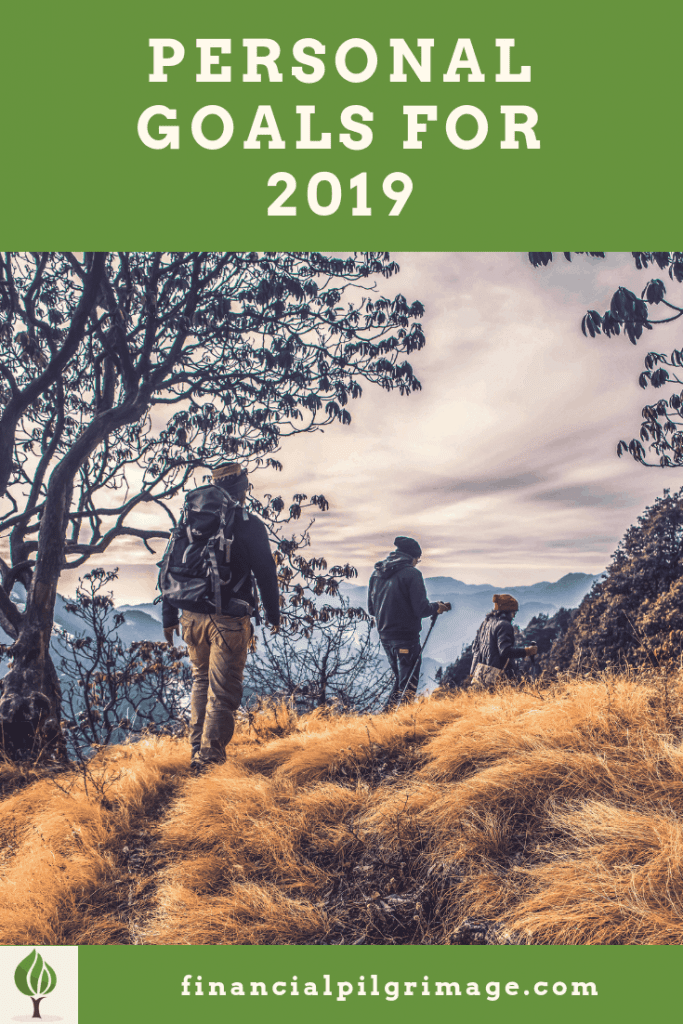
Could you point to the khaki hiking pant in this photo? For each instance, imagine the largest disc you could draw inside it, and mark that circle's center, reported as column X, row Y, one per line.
column 217, row 646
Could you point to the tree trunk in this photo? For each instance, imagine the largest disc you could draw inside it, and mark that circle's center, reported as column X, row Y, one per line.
column 36, row 1006
column 30, row 706
column 322, row 690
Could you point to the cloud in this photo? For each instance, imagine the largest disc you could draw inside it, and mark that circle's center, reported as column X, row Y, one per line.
column 583, row 495
column 504, row 465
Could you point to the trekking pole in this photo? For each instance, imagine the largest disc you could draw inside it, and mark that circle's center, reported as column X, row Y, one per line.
column 419, row 653
column 534, row 667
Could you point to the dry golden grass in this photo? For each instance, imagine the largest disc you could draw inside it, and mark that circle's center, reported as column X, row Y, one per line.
column 555, row 813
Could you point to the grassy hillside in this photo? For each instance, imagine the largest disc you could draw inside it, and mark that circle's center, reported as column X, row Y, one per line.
column 539, row 816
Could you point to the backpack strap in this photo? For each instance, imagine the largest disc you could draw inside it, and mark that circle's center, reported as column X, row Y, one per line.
column 237, row 585
column 185, row 522
column 211, row 548
column 226, row 542
column 254, row 601
column 223, row 543
column 166, row 557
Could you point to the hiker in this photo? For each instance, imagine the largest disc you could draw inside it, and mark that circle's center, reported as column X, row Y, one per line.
column 207, row 574
column 397, row 600
column 494, row 648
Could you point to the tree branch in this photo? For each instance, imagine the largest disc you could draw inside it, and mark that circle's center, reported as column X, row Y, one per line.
column 10, row 616
column 20, row 401
column 87, row 550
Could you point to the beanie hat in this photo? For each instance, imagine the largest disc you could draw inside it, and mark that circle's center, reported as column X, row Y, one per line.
column 505, row 603
column 229, row 469
column 408, row 546
column 231, row 477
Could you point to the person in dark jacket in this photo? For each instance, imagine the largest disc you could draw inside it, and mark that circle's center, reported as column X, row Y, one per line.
column 494, row 645
column 397, row 600
column 217, row 644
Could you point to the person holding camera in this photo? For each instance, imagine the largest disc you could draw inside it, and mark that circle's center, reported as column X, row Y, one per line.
column 397, row 600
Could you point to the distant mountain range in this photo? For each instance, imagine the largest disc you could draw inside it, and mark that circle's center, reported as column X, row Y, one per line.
column 470, row 601
column 142, row 622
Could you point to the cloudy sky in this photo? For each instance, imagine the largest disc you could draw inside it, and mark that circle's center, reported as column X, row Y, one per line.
column 504, row 465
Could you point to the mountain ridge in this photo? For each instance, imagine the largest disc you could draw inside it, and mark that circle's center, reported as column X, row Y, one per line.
column 470, row 601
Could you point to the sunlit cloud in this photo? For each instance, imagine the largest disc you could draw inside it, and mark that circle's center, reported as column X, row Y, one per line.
column 504, row 466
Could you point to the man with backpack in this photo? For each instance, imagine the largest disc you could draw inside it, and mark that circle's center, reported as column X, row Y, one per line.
column 494, row 648
column 397, row 600
column 206, row 573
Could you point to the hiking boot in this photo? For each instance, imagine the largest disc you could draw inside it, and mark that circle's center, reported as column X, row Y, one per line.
column 198, row 766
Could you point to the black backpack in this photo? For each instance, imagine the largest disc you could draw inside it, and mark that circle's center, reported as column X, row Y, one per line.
column 196, row 563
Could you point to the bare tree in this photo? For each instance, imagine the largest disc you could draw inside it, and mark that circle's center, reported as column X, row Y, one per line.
column 236, row 350
column 339, row 664
column 112, row 692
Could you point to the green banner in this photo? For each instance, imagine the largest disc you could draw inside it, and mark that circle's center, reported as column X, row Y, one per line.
column 306, row 983
column 378, row 984
column 356, row 126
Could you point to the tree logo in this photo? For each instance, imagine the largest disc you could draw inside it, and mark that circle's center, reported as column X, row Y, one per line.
column 34, row 978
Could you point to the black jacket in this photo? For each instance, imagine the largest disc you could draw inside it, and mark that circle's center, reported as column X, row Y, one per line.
column 495, row 643
column 397, row 598
column 250, row 553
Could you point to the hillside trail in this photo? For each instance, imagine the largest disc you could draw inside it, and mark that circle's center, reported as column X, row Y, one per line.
column 538, row 815
column 276, row 771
